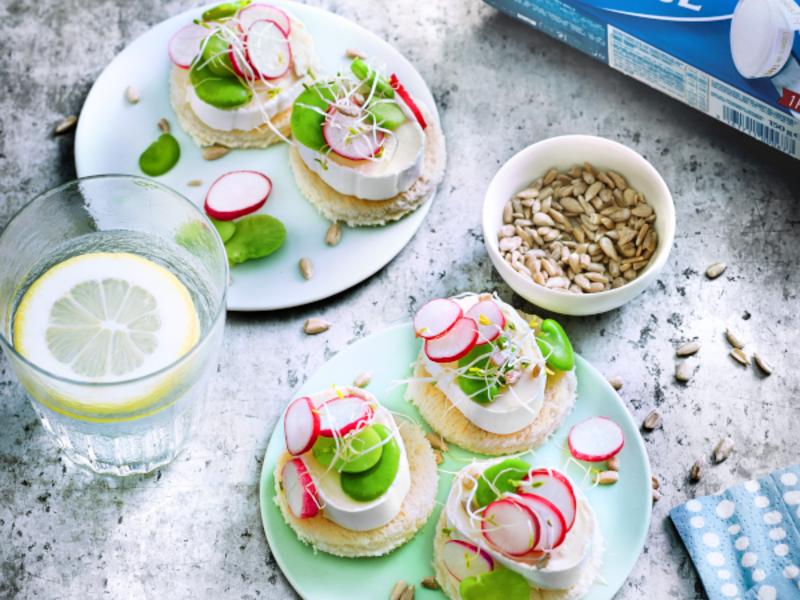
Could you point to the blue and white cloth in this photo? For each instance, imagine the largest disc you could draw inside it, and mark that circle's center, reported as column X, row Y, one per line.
column 745, row 541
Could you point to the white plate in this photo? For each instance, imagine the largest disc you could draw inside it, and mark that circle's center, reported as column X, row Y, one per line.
column 112, row 133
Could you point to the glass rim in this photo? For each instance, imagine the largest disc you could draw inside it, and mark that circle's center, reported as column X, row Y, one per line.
column 221, row 309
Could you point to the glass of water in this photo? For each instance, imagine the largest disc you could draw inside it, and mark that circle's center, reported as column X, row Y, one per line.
column 112, row 305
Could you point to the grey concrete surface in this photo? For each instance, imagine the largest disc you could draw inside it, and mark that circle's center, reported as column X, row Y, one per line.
column 193, row 530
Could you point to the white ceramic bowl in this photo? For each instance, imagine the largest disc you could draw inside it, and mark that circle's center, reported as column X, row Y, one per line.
column 563, row 153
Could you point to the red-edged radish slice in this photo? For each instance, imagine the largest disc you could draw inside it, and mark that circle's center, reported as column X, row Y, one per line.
column 466, row 560
column 186, row 44
column 454, row 344
column 490, row 321
column 398, row 87
column 510, row 527
column 348, row 137
column 264, row 12
column 299, row 488
column 596, row 439
column 268, row 49
column 554, row 527
column 237, row 194
column 342, row 415
column 556, row 489
column 436, row 318
column 239, row 62
column 301, row 426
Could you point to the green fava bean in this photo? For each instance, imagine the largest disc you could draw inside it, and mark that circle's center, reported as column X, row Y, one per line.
column 216, row 57
column 255, row 236
column 373, row 483
column 555, row 345
column 220, row 92
column 160, row 156
column 224, row 10
column 500, row 584
column 501, row 477
column 225, row 229
column 306, row 122
column 363, row 453
column 387, row 114
column 363, row 72
column 476, row 386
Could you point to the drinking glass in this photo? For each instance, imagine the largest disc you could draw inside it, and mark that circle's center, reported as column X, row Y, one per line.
column 138, row 425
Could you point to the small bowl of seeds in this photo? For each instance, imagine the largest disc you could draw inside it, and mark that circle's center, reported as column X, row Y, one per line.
column 578, row 224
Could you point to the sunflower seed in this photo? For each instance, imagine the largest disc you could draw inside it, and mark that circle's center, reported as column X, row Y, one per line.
column 528, row 194
column 723, row 449
column 408, row 594
column 613, row 463
column 656, row 483
column 437, row 442
column 215, row 152
column 355, row 53
column 652, row 421
column 307, row 268
column 763, row 363
column 163, row 125
column 508, row 209
column 363, row 380
column 642, row 210
column 334, row 234
column 132, row 94
column 740, row 357
column 66, row 124
column 656, row 495
column 430, row 583
column 715, row 270
column 438, row 456
column 316, row 325
column 558, row 282
column 543, row 220
column 348, row 110
column 688, row 348
column 621, row 184
column 195, row 183
column 398, row 589
column 616, row 382
column 606, row 477
column 733, row 338
column 698, row 469
column 685, row 370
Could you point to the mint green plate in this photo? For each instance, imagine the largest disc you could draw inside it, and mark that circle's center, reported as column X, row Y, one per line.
column 623, row 509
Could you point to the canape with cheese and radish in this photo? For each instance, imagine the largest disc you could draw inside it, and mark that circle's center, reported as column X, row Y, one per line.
column 237, row 72
column 353, row 481
column 489, row 378
column 516, row 528
column 366, row 151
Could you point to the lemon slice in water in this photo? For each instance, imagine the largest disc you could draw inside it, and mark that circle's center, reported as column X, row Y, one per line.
column 105, row 317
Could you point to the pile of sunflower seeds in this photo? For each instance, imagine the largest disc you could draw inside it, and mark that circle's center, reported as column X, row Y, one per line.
column 581, row 231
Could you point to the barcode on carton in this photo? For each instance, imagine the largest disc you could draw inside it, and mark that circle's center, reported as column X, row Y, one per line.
column 757, row 129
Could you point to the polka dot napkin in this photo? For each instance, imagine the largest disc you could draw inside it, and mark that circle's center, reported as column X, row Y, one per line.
column 745, row 541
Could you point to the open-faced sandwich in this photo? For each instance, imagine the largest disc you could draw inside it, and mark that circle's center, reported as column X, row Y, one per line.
column 489, row 378
column 515, row 531
column 366, row 152
column 352, row 481
column 237, row 74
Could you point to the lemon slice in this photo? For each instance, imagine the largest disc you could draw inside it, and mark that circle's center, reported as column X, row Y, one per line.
column 105, row 317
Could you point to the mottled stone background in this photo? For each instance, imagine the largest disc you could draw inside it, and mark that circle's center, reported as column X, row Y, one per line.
column 193, row 530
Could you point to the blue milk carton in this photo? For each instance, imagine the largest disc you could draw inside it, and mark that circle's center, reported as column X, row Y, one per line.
column 736, row 61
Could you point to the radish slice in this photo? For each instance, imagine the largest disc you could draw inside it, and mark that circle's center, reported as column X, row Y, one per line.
column 554, row 527
column 264, row 12
column 596, row 439
column 343, row 415
column 490, row 328
column 186, row 44
column 268, row 49
column 299, row 488
column 511, row 528
column 301, row 426
column 465, row 560
column 454, row 344
column 398, row 87
column 237, row 194
column 436, row 318
column 239, row 62
column 338, row 131
column 556, row 489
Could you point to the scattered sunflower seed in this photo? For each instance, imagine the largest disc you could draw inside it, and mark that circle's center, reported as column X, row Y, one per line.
column 334, row 234
column 715, row 270
column 688, row 349
column 606, row 477
column 307, row 268
column 363, row 380
column 740, row 357
column 195, row 183
column 316, row 325
column 616, row 382
column 656, row 495
column 656, row 483
column 132, row 94
column 723, row 449
column 763, row 363
column 439, row 457
column 613, row 463
column 408, row 594
column 437, row 442
column 652, row 421
column 733, row 338
column 698, row 469
column 354, row 53
column 430, row 583
column 215, row 152
column 163, row 125
column 66, row 124
column 684, row 371
column 398, row 589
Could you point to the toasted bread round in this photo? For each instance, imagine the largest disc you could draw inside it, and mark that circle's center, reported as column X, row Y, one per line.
column 435, row 408
column 449, row 584
column 323, row 534
column 355, row 211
